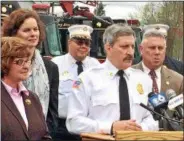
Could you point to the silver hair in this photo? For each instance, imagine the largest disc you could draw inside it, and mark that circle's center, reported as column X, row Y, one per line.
column 116, row 30
column 153, row 33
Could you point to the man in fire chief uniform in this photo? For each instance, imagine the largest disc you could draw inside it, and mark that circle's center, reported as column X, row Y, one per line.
column 106, row 98
column 70, row 66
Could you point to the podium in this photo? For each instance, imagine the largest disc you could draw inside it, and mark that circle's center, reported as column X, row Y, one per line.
column 149, row 135
column 96, row 136
column 135, row 135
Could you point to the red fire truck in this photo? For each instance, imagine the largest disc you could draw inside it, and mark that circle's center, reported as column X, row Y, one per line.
column 57, row 27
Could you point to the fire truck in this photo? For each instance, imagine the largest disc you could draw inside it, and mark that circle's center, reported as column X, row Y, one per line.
column 57, row 35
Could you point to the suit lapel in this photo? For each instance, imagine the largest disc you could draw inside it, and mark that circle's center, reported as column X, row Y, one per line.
column 29, row 110
column 165, row 79
column 7, row 100
column 139, row 66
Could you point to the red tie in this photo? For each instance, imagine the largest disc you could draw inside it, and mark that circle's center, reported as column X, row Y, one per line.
column 153, row 77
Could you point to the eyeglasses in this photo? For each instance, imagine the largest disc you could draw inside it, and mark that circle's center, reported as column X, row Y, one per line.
column 80, row 42
column 21, row 62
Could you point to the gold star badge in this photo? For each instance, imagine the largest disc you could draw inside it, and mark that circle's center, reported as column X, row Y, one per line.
column 140, row 88
column 28, row 101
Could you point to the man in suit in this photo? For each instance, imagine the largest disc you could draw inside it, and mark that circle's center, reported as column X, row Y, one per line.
column 153, row 50
column 52, row 116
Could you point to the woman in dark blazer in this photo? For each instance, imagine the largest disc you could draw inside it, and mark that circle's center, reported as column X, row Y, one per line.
column 21, row 112
column 44, row 79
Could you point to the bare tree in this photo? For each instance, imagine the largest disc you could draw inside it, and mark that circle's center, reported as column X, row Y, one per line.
column 170, row 13
column 99, row 11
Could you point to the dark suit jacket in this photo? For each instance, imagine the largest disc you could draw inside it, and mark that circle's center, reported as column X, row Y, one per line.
column 169, row 79
column 174, row 64
column 53, row 74
column 12, row 124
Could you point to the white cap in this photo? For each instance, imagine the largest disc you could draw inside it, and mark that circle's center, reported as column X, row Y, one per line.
column 162, row 28
column 80, row 31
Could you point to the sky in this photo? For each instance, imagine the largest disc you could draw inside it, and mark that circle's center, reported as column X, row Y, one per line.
column 114, row 10
column 122, row 9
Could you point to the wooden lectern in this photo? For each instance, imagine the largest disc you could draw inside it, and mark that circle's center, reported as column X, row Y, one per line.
column 96, row 136
column 149, row 135
column 135, row 135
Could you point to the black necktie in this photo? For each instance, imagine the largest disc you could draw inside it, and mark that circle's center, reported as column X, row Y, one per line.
column 123, row 97
column 80, row 68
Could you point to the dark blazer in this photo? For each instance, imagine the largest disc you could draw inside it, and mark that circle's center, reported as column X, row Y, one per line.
column 174, row 64
column 53, row 74
column 12, row 124
column 169, row 79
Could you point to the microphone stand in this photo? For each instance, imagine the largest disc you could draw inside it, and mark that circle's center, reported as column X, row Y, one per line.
column 174, row 125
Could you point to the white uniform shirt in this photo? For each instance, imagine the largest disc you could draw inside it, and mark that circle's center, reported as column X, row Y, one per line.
column 67, row 74
column 94, row 104
column 158, row 73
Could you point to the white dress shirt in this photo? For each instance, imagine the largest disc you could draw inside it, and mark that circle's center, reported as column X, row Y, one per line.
column 158, row 74
column 94, row 104
column 67, row 74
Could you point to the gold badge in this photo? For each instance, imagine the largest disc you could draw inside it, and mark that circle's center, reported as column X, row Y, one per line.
column 167, row 82
column 85, row 28
column 157, row 28
column 110, row 73
column 28, row 101
column 65, row 73
column 140, row 88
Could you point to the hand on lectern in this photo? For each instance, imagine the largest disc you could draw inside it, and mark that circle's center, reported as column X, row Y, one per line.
column 127, row 125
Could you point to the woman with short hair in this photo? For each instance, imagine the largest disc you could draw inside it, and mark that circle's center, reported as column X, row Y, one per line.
column 21, row 112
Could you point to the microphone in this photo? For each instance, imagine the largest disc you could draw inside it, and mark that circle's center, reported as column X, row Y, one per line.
column 159, row 102
column 175, row 102
column 155, row 115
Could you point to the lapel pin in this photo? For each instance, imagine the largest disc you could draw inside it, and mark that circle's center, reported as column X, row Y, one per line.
column 28, row 101
column 167, row 82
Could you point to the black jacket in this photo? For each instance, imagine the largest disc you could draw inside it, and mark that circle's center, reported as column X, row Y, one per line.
column 53, row 74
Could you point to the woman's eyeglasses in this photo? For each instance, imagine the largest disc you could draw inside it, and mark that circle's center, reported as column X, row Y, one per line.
column 22, row 62
column 80, row 42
